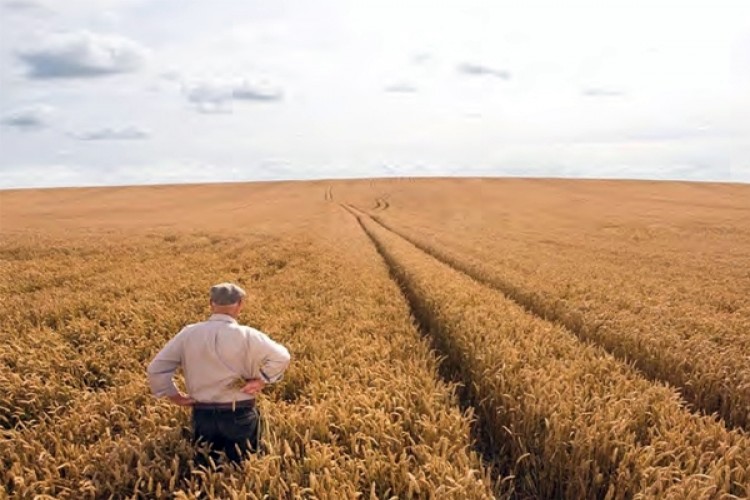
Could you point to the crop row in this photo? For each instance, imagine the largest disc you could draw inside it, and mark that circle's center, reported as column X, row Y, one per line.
column 572, row 420
column 669, row 254
column 712, row 375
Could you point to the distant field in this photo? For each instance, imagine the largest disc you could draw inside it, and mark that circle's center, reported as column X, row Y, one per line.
column 451, row 338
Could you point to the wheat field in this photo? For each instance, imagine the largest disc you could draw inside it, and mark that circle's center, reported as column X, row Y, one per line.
column 451, row 338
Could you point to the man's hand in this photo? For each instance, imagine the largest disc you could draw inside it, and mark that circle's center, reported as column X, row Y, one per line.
column 181, row 399
column 253, row 386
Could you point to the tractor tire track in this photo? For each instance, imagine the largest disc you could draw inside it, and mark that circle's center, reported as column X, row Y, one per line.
column 668, row 424
column 731, row 385
column 526, row 399
column 381, row 203
column 484, row 442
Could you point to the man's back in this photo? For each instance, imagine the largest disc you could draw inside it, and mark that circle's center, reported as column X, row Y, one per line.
column 214, row 355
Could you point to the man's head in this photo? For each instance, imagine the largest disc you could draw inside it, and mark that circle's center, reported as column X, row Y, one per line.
column 227, row 298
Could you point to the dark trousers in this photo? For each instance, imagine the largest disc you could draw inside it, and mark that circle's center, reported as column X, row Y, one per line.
column 232, row 432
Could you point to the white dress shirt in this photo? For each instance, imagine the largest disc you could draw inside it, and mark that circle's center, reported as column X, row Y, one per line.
column 214, row 354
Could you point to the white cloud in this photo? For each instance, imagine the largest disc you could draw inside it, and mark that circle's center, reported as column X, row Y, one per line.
column 113, row 134
column 33, row 117
column 474, row 69
column 421, row 58
column 82, row 54
column 22, row 5
column 67, row 7
column 216, row 96
column 602, row 92
column 246, row 92
column 401, row 88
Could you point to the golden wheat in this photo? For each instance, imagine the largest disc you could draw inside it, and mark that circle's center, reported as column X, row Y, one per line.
column 361, row 411
column 667, row 349
column 576, row 422
column 94, row 281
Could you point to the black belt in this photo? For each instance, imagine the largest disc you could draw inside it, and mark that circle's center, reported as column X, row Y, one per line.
column 244, row 403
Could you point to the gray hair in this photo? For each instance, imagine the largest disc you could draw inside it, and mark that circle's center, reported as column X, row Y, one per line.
column 226, row 294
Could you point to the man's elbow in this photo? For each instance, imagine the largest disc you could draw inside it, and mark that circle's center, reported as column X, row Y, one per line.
column 154, row 381
column 285, row 358
column 276, row 365
column 158, row 378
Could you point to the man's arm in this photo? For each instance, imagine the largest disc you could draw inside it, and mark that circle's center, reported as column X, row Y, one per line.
column 276, row 359
column 161, row 371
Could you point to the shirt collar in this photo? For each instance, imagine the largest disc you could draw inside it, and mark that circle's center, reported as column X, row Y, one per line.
column 222, row 317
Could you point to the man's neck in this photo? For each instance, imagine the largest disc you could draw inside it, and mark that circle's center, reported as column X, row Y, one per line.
column 224, row 313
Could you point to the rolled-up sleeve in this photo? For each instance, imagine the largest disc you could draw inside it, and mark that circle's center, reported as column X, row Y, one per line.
column 275, row 358
column 162, row 368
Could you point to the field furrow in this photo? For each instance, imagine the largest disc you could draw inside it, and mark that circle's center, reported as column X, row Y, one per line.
column 713, row 377
column 571, row 420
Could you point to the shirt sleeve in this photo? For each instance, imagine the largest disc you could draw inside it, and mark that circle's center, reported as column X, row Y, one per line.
column 162, row 368
column 275, row 357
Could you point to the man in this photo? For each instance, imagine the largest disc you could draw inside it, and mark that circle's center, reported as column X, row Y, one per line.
column 226, row 365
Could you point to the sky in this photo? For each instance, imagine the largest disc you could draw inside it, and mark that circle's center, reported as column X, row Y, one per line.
column 120, row 92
